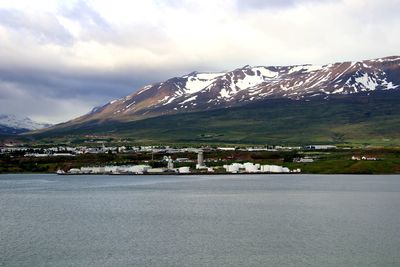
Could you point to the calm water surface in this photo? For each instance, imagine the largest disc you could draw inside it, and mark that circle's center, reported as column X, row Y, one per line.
column 257, row 220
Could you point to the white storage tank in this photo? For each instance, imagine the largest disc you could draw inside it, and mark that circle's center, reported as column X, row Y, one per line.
column 266, row 168
column 250, row 167
column 233, row 168
column 74, row 171
column 276, row 169
column 184, row 170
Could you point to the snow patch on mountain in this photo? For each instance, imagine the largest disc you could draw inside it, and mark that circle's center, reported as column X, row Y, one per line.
column 266, row 72
column 189, row 99
column 304, row 68
column 209, row 76
column 26, row 123
column 199, row 81
column 366, row 82
column 224, row 93
column 249, row 81
column 147, row 87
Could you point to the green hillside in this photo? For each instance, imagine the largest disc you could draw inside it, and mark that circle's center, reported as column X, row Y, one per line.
column 356, row 119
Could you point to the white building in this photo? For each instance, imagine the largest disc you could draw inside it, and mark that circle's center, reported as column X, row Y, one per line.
column 304, row 160
column 274, row 169
column 233, row 168
column 92, row 170
column 320, row 147
column 251, row 168
column 226, row 148
column 184, row 170
column 247, row 167
column 137, row 169
column 74, row 171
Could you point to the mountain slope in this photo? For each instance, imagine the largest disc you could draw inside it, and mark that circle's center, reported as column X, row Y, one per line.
column 363, row 118
column 206, row 91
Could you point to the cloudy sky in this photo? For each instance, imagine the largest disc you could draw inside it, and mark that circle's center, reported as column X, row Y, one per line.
column 60, row 58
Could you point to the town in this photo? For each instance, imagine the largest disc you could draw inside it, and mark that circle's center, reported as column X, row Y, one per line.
column 102, row 158
column 113, row 158
column 63, row 150
column 235, row 168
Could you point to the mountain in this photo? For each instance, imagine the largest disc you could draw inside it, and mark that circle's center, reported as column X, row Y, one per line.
column 11, row 124
column 341, row 102
column 205, row 91
column 362, row 118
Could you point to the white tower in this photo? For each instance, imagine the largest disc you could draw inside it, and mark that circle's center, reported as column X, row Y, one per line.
column 200, row 160
column 170, row 164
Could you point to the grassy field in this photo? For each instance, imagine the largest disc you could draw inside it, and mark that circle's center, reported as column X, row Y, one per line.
column 353, row 120
column 388, row 162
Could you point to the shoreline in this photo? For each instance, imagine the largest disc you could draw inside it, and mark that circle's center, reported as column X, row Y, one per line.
column 193, row 174
column 167, row 174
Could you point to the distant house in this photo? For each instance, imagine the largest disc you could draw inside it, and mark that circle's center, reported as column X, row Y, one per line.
column 363, row 158
column 320, row 147
column 303, row 160
column 227, row 148
column 183, row 160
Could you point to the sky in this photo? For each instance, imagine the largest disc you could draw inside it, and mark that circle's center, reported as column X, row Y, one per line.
column 59, row 58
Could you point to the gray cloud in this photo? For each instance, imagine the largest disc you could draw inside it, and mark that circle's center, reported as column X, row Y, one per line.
column 273, row 4
column 44, row 28
column 23, row 101
column 85, row 14
column 58, row 95
column 85, row 83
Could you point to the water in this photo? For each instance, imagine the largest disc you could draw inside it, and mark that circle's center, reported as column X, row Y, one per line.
column 262, row 220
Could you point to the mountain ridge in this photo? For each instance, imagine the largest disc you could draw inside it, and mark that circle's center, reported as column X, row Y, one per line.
column 201, row 94
column 11, row 124
column 200, row 91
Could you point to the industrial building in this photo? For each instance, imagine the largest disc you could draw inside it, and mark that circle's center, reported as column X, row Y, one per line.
column 249, row 167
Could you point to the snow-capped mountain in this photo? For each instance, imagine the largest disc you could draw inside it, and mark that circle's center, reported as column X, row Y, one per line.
column 11, row 124
column 203, row 91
